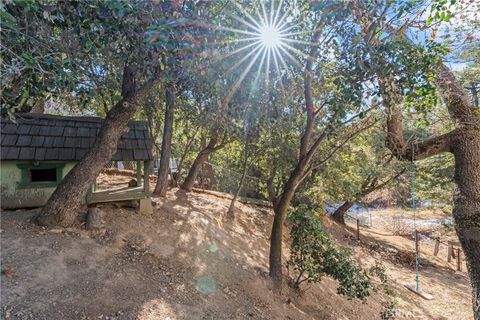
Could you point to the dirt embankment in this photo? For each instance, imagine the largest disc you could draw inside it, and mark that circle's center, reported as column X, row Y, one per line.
column 187, row 261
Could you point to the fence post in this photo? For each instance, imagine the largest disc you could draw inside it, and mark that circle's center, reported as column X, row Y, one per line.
column 358, row 229
column 449, row 254
column 437, row 246
column 459, row 260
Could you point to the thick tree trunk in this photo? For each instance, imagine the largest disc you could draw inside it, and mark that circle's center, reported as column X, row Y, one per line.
column 281, row 210
column 65, row 202
column 466, row 211
column 164, row 168
column 197, row 164
column 62, row 207
column 189, row 182
column 339, row 214
column 463, row 142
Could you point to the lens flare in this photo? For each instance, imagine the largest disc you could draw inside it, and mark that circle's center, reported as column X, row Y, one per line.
column 270, row 36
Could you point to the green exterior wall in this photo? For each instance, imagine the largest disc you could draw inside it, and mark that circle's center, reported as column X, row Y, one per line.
column 14, row 195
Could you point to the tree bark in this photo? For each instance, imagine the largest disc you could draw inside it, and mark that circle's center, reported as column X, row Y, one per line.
column 39, row 105
column 466, row 211
column 281, row 204
column 281, row 210
column 162, row 181
column 464, row 143
column 308, row 148
column 339, row 214
column 65, row 202
column 197, row 164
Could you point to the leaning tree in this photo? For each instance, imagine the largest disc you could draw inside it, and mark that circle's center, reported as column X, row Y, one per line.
column 320, row 104
column 133, row 34
column 406, row 71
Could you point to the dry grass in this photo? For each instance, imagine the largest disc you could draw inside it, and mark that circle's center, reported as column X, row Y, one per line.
column 399, row 227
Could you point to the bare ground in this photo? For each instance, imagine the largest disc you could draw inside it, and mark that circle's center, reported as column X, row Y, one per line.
column 187, row 261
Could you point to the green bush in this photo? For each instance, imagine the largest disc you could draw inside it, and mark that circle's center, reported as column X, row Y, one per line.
column 447, row 209
column 314, row 255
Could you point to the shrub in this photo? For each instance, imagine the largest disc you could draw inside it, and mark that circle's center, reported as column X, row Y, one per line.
column 314, row 255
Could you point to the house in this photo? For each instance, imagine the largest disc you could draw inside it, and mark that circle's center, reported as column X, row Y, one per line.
column 38, row 150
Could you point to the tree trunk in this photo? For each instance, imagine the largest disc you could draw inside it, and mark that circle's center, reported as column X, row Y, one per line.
column 62, row 207
column 369, row 185
column 231, row 209
column 339, row 214
column 197, row 164
column 466, row 210
column 39, row 105
column 463, row 142
column 475, row 97
column 281, row 210
column 163, row 170
column 194, row 169
column 182, row 159
column 65, row 202
column 199, row 160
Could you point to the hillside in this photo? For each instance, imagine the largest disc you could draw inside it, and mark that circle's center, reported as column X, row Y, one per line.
column 186, row 261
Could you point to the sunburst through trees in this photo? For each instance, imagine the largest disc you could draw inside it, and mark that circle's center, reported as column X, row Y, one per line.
column 267, row 43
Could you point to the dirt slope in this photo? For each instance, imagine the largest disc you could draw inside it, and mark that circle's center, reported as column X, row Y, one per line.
column 186, row 261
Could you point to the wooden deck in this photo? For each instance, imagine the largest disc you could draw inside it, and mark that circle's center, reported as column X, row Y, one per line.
column 120, row 194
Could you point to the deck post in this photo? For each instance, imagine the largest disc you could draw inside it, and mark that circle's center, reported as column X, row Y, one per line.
column 139, row 173
column 146, row 176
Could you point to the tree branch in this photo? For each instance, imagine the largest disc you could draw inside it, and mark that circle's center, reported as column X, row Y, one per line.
column 452, row 92
column 343, row 143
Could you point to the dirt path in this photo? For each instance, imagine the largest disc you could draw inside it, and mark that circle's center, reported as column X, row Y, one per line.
column 451, row 289
column 186, row 261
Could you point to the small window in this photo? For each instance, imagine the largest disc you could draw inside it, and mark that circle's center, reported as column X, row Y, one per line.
column 43, row 175
column 40, row 175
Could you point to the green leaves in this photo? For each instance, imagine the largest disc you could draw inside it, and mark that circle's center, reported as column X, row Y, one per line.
column 28, row 59
column 440, row 11
column 314, row 255
column 6, row 19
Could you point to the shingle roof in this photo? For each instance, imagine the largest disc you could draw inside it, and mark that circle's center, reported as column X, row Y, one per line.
column 39, row 137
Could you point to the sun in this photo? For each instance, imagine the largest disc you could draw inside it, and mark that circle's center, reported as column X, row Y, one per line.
column 270, row 36
column 268, row 40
